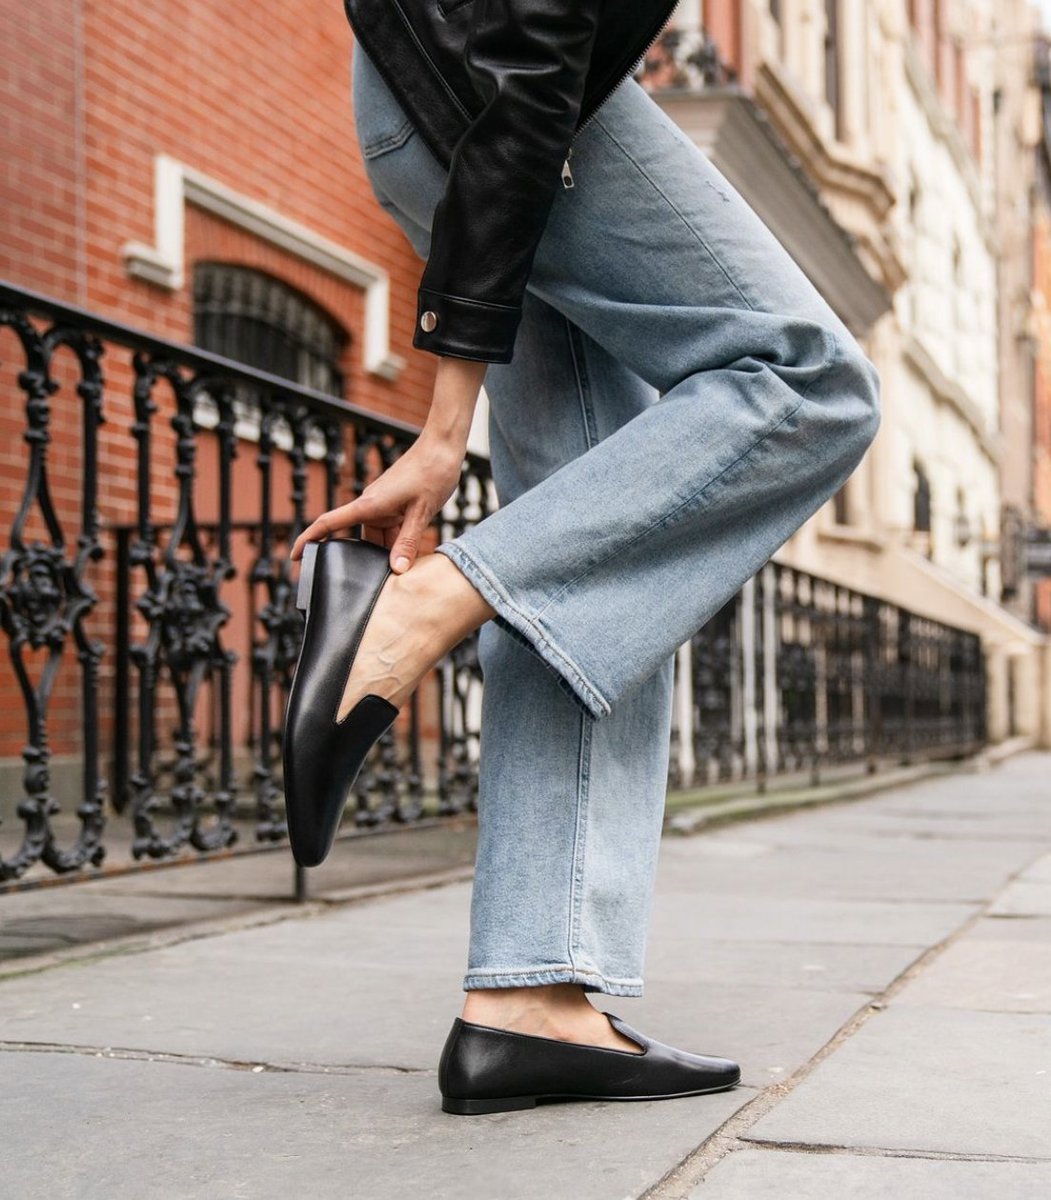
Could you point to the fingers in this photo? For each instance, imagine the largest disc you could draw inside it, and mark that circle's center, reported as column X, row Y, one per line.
column 313, row 533
column 407, row 544
column 382, row 535
column 332, row 522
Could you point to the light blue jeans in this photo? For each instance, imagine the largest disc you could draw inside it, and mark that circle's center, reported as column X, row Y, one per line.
column 680, row 401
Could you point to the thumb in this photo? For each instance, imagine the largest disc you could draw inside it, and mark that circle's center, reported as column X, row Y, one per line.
column 406, row 546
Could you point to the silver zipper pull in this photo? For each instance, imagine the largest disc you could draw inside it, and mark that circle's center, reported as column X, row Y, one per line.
column 567, row 174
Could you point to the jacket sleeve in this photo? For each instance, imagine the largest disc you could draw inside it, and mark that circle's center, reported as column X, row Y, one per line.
column 528, row 60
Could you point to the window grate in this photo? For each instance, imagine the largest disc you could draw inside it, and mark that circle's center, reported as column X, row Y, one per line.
column 258, row 320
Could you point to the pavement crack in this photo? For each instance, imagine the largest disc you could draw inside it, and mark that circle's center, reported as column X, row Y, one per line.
column 256, row 1067
column 888, row 1152
column 678, row 1182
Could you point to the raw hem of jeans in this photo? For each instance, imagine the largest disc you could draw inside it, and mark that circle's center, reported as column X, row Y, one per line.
column 540, row 976
column 524, row 630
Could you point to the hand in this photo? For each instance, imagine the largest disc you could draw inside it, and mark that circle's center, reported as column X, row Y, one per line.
column 401, row 502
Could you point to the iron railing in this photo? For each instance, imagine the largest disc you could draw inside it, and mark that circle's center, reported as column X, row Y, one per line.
column 127, row 548
column 798, row 673
column 147, row 601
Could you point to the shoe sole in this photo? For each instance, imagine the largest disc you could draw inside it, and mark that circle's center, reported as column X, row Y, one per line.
column 472, row 1108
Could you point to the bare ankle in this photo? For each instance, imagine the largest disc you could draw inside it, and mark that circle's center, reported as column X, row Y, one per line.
column 420, row 616
column 442, row 590
column 560, row 1011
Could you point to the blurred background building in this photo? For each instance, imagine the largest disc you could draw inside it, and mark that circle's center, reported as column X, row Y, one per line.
column 186, row 224
column 893, row 147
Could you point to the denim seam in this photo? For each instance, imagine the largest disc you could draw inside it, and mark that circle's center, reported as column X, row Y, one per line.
column 690, row 499
column 580, row 370
column 555, row 973
column 389, row 141
column 675, row 209
column 580, row 829
column 483, row 579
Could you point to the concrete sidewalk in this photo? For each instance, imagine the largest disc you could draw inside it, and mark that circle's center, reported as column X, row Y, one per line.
column 881, row 969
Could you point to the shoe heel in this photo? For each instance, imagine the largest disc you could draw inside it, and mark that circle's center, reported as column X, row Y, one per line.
column 475, row 1108
column 306, row 576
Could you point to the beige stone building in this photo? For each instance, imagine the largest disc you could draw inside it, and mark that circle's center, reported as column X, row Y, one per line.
column 884, row 142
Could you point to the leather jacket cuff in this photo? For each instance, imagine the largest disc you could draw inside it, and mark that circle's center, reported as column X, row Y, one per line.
column 465, row 328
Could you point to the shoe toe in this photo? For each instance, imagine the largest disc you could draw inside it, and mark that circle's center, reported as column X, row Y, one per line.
column 680, row 1070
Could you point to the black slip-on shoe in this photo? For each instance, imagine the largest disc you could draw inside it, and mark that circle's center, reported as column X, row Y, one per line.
column 339, row 582
column 487, row 1070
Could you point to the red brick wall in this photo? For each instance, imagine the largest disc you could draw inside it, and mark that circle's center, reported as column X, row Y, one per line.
column 255, row 95
column 722, row 22
column 41, row 164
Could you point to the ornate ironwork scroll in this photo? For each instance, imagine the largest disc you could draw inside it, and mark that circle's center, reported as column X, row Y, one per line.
column 461, row 672
column 275, row 652
column 184, row 613
column 717, row 668
column 836, row 676
column 46, row 598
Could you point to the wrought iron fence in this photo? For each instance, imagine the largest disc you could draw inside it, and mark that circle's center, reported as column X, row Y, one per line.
column 127, row 547
column 798, row 673
column 147, row 601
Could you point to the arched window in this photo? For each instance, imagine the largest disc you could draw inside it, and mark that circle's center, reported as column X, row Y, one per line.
column 921, row 499
column 255, row 319
column 841, row 506
column 912, row 241
column 833, row 81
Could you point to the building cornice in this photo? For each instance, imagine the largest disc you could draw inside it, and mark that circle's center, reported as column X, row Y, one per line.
column 951, row 393
column 741, row 141
column 833, row 164
column 859, row 192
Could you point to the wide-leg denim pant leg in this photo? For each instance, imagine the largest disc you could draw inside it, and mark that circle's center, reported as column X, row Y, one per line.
column 681, row 400
column 570, row 806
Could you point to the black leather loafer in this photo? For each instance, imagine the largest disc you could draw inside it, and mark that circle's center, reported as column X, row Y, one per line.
column 487, row 1070
column 339, row 582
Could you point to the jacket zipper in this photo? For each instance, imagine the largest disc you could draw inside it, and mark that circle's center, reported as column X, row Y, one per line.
column 567, row 174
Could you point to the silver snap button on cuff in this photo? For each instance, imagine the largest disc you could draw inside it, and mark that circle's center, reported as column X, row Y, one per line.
column 428, row 321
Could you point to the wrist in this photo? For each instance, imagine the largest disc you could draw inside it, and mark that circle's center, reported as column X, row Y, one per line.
column 443, row 445
column 456, row 387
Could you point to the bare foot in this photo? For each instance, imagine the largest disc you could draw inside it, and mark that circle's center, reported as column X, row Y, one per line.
column 561, row 1011
column 418, row 617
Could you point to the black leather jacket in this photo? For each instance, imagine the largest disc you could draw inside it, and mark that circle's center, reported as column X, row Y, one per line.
column 497, row 89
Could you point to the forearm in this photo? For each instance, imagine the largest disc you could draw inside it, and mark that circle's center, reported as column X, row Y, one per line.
column 456, row 386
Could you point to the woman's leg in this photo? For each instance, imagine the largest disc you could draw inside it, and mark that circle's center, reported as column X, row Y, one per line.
column 570, row 808
column 761, row 404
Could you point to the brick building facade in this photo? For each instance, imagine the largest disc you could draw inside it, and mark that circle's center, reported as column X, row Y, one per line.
column 235, row 121
column 253, row 96
column 1040, row 330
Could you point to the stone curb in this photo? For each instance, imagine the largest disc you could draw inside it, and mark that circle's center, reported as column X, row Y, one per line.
column 690, row 820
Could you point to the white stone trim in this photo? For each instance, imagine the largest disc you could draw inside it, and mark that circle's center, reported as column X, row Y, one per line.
column 163, row 263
